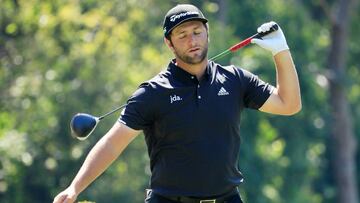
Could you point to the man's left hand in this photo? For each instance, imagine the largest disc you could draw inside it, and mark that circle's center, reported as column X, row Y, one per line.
column 274, row 42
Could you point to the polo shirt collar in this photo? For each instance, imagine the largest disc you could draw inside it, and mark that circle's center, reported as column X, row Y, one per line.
column 185, row 76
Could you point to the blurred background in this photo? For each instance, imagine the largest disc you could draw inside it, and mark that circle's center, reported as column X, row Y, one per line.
column 61, row 57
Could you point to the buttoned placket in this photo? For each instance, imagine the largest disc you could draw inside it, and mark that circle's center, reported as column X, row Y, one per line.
column 197, row 85
column 199, row 96
column 198, row 91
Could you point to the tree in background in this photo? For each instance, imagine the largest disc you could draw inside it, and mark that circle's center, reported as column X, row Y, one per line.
column 343, row 144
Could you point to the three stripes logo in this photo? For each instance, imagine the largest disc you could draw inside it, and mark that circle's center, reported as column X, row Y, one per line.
column 222, row 92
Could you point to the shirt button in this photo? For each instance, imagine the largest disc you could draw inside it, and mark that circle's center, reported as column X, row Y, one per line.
column 199, row 97
column 192, row 77
column 198, row 86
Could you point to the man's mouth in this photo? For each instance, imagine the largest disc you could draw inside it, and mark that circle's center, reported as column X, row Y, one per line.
column 194, row 49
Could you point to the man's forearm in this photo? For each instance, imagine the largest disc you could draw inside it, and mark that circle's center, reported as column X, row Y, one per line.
column 287, row 81
column 106, row 150
column 98, row 159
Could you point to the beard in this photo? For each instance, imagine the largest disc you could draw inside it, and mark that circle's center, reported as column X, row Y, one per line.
column 196, row 59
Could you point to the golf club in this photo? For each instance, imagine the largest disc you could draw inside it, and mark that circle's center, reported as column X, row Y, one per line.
column 245, row 42
column 83, row 124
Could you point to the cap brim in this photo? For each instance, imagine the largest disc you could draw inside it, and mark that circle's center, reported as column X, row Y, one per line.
column 186, row 20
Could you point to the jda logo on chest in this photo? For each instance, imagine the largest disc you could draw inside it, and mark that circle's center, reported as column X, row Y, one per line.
column 174, row 98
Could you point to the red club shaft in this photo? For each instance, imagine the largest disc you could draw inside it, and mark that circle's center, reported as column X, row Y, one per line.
column 244, row 43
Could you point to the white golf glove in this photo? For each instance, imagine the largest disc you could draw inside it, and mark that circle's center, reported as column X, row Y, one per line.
column 274, row 42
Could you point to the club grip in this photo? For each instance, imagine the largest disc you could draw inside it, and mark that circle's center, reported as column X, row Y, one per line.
column 262, row 34
column 245, row 42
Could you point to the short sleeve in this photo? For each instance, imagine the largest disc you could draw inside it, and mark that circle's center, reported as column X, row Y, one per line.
column 138, row 113
column 256, row 91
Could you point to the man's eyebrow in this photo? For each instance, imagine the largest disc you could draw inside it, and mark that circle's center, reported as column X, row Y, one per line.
column 180, row 30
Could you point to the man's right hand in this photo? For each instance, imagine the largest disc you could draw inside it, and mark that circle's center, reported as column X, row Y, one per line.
column 105, row 151
column 67, row 196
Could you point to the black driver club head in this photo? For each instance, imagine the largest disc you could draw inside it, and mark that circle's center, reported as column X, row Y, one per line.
column 82, row 125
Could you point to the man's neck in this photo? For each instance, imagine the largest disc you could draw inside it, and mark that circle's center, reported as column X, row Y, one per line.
column 195, row 69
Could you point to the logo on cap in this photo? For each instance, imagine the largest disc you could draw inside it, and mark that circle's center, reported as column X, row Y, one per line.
column 179, row 14
column 176, row 16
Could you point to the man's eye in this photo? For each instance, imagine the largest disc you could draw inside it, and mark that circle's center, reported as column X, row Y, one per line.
column 182, row 36
column 197, row 32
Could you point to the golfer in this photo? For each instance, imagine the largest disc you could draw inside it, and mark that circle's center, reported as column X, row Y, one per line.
column 190, row 115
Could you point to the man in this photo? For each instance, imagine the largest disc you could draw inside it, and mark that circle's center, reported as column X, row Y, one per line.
column 190, row 116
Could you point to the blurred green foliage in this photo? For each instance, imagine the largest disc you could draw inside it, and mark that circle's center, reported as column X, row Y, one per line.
column 58, row 58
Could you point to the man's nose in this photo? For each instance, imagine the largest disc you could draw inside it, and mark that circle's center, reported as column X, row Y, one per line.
column 192, row 40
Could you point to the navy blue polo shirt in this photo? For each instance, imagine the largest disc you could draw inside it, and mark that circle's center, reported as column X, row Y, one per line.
column 192, row 127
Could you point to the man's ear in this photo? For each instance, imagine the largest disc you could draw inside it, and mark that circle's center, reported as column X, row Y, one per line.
column 169, row 44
